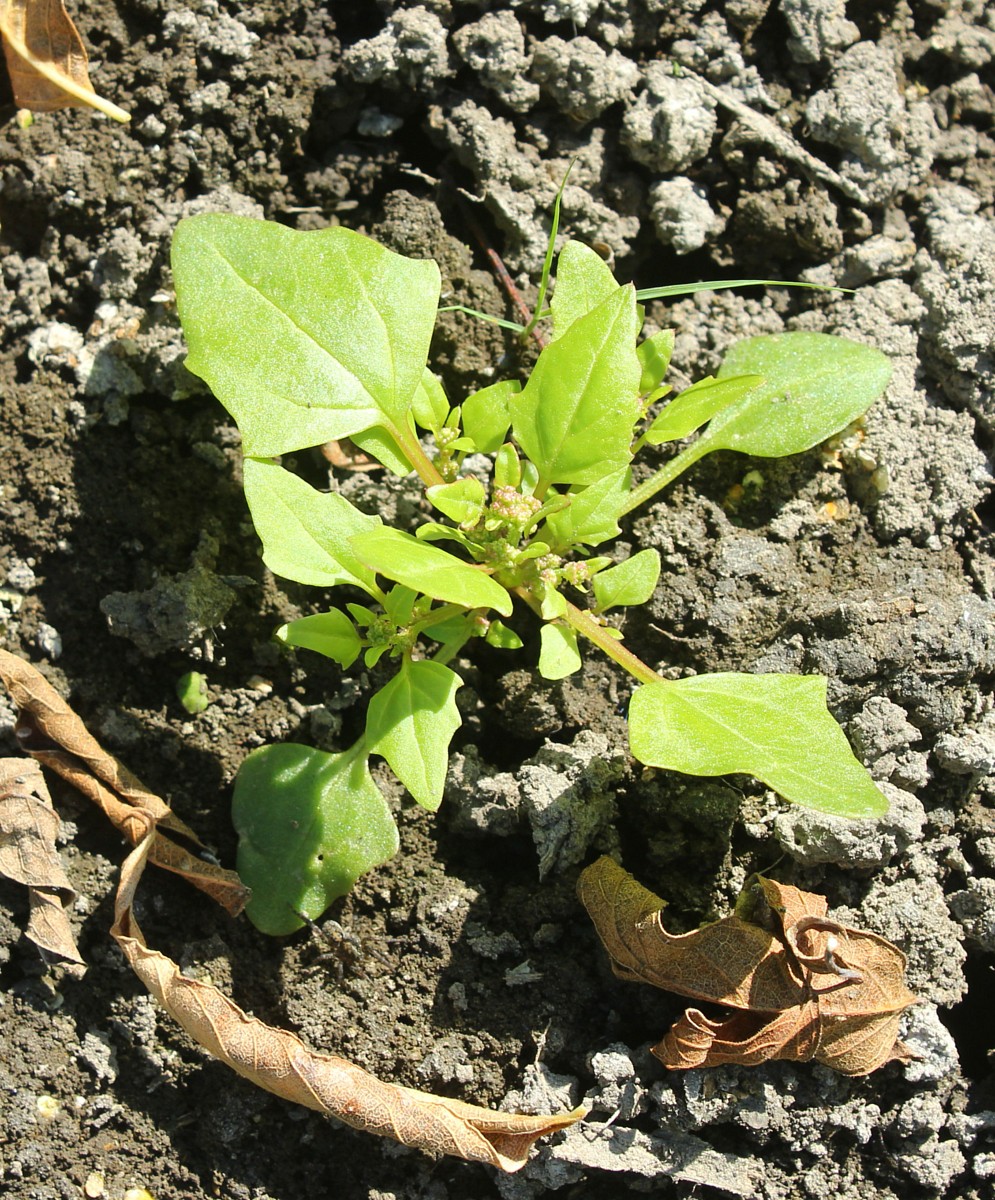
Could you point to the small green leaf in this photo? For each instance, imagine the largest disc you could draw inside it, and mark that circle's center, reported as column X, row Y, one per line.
column 507, row 467
column 306, row 534
column 309, row 824
column 552, row 603
column 774, row 727
column 330, row 633
column 462, row 501
column 574, row 418
column 814, row 386
column 654, row 358
column 399, row 604
column 631, row 581
column 499, row 635
column 191, row 691
column 583, row 280
column 485, row 418
column 427, row 569
column 441, row 533
column 430, row 405
column 303, row 337
column 379, row 444
column 592, row 515
column 410, row 722
column 696, row 405
column 558, row 653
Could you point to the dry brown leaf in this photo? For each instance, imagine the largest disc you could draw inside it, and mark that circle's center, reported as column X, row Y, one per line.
column 804, row 986
column 271, row 1058
column 50, row 732
column 28, row 828
column 46, row 59
column 279, row 1062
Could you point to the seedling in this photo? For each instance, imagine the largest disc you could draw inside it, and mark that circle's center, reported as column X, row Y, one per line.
column 312, row 337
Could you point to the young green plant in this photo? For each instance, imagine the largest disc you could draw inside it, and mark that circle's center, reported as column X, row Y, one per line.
column 311, row 337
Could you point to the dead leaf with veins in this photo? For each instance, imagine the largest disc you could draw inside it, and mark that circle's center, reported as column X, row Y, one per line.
column 46, row 59
column 28, row 855
column 271, row 1058
column 801, row 985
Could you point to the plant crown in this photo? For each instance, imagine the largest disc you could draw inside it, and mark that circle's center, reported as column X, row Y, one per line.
column 312, row 337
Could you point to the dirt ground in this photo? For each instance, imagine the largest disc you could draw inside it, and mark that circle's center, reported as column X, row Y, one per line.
column 787, row 140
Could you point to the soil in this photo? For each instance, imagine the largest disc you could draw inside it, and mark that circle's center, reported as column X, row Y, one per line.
column 786, row 140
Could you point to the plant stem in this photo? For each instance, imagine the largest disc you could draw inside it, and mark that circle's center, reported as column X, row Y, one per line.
column 586, row 625
column 667, row 474
column 427, row 471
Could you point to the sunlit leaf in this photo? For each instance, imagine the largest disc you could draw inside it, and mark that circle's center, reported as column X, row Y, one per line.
column 774, row 727
column 330, row 633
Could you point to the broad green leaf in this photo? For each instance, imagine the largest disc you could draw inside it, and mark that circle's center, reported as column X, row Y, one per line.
column 410, row 722
column 430, row 570
column 330, row 633
column 462, row 501
column 574, row 418
column 430, row 405
column 631, row 581
column 558, row 653
column 453, row 629
column 306, row 534
column 303, row 337
column 485, row 418
column 583, row 280
column 654, row 358
column 592, row 515
column 499, row 635
column 814, row 386
column 441, row 533
column 774, row 727
column 696, row 405
column 309, row 824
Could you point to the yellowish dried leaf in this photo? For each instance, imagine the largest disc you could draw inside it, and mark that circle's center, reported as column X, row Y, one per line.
column 46, row 59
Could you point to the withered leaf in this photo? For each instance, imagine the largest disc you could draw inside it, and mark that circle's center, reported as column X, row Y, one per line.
column 46, row 59
column 279, row 1062
column 52, row 733
column 271, row 1058
column 28, row 828
column 804, row 986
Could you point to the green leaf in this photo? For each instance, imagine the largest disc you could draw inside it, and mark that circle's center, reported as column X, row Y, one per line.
column 306, row 534
column 303, row 337
column 427, row 569
column 774, row 727
column 499, row 635
column 309, row 824
column 399, row 604
column 696, row 405
column 574, row 418
column 654, row 358
column 485, row 418
column 379, row 444
column 330, row 633
column 814, row 386
column 430, row 405
column 632, row 581
column 410, row 722
column 507, row 467
column 583, row 280
column 462, row 501
column 592, row 515
column 558, row 653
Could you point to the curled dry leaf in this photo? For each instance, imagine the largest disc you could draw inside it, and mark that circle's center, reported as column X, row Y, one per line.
column 28, row 828
column 46, row 59
column 50, row 732
column 802, row 985
column 279, row 1062
column 271, row 1058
